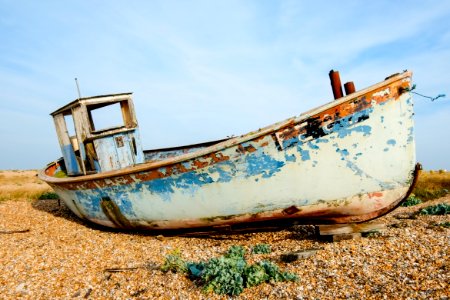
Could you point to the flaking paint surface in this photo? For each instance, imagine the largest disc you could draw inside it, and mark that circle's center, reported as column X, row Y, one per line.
column 325, row 162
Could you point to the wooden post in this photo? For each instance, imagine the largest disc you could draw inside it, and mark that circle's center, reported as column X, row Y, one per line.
column 338, row 232
column 336, row 84
column 349, row 87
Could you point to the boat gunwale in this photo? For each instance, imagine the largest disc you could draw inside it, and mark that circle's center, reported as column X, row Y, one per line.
column 223, row 144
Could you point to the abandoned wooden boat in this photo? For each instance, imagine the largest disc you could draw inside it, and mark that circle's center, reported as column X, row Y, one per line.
column 350, row 160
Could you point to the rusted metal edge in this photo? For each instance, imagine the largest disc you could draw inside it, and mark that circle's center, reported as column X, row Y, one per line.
column 394, row 205
column 379, row 213
column 221, row 145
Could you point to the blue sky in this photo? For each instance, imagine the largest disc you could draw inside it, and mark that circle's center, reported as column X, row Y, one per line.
column 204, row 70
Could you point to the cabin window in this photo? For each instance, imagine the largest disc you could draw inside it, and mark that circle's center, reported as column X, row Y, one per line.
column 70, row 125
column 106, row 117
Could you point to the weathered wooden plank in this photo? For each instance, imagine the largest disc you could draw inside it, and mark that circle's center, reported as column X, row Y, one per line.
column 336, row 229
column 300, row 254
column 61, row 130
column 72, row 164
column 81, row 132
column 346, row 236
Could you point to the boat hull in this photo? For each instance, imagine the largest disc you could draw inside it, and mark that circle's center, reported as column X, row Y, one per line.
column 348, row 161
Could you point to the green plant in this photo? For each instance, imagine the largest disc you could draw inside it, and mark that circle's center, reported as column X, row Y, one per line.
column 411, row 201
column 438, row 209
column 275, row 274
column 173, row 262
column 261, row 249
column 444, row 224
column 48, row 195
column 228, row 274
column 236, row 252
column 223, row 275
column 255, row 274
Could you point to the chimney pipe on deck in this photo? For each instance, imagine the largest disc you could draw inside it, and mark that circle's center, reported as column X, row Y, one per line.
column 349, row 87
column 336, row 84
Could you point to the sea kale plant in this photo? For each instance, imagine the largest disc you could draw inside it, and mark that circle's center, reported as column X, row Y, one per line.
column 411, row 201
column 173, row 262
column 261, row 249
column 438, row 209
column 230, row 273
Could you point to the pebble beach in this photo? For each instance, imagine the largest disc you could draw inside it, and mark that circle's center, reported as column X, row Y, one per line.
column 46, row 252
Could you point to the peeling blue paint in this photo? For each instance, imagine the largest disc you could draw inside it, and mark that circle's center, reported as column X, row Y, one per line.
column 256, row 164
column 160, row 186
column 359, row 172
column 291, row 157
column 187, row 180
column 391, row 142
column 186, row 164
column 343, row 126
column 224, row 176
column 357, row 155
column 70, row 159
column 321, row 140
column 290, row 142
column 124, row 204
column 165, row 187
column 343, row 152
column 303, row 153
column 90, row 200
column 313, row 146
column 364, row 129
column 352, row 166
column 262, row 163
column 410, row 134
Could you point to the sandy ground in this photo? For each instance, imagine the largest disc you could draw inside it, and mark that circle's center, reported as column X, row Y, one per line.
column 47, row 253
